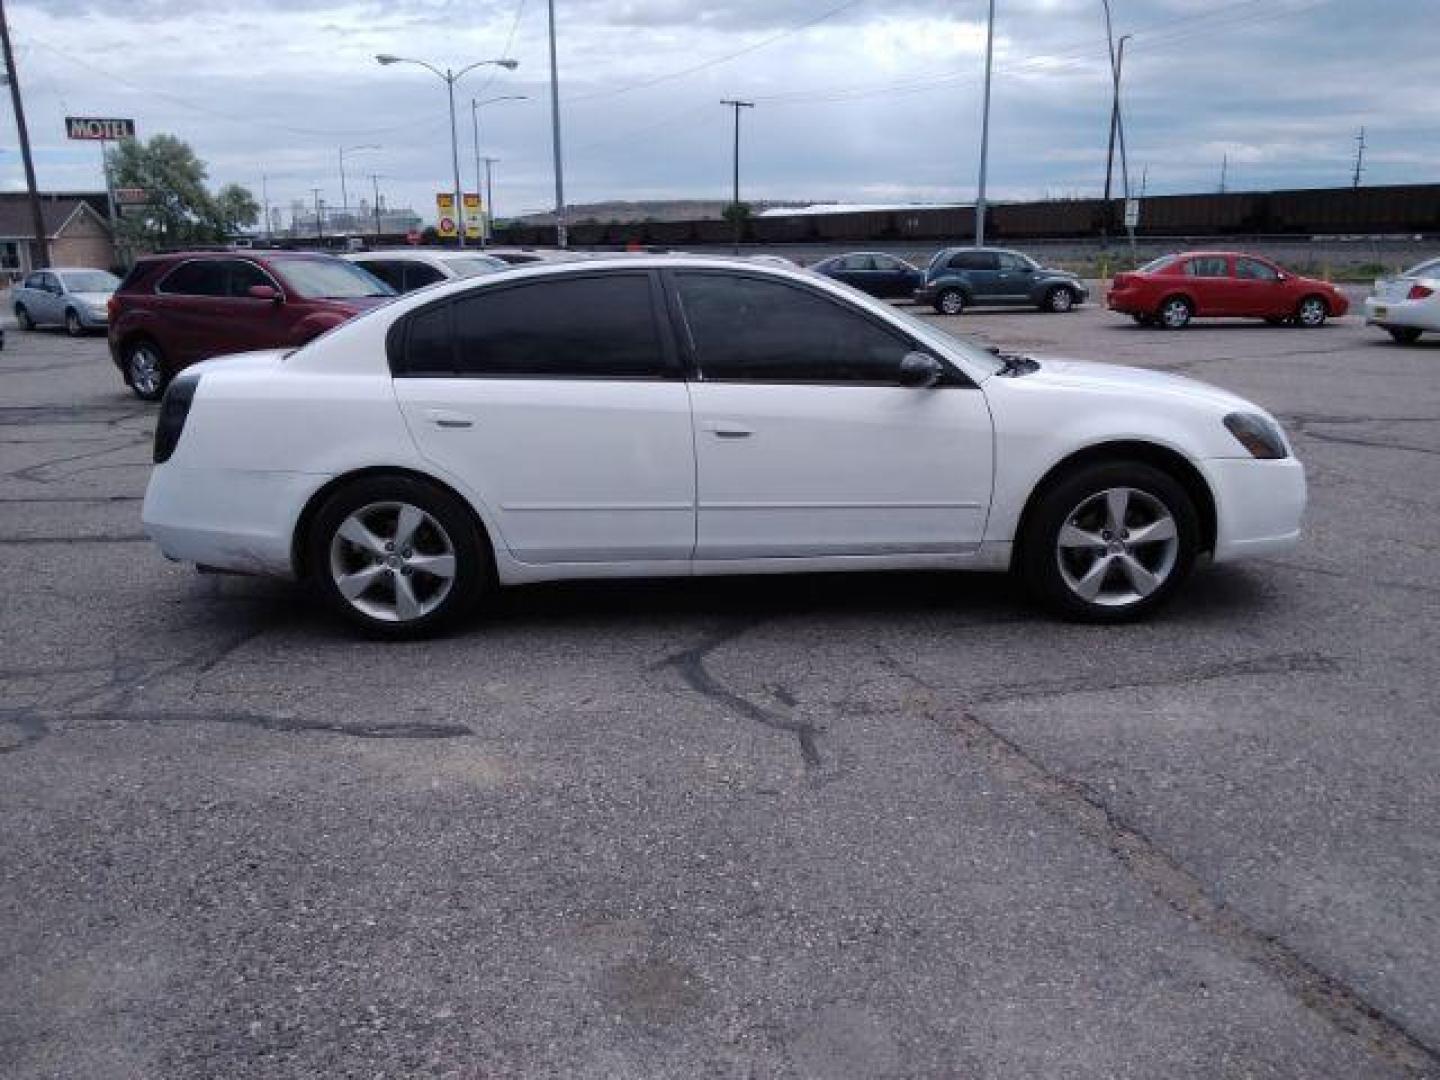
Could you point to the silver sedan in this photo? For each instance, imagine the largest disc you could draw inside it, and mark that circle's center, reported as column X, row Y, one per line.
column 74, row 298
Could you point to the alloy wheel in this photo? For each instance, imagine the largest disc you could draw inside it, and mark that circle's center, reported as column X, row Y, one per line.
column 1062, row 300
column 1312, row 311
column 952, row 302
column 72, row 323
column 147, row 375
column 1117, row 547
column 392, row 562
column 1175, row 314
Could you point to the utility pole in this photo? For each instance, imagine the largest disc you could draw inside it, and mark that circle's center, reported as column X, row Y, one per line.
column 985, row 131
column 1359, row 157
column 1224, row 169
column 489, row 193
column 561, row 237
column 375, row 179
column 475, row 123
column 735, row 201
column 37, row 216
column 265, row 202
column 319, row 216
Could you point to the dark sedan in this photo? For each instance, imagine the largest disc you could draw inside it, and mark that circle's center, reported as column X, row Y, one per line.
column 873, row 272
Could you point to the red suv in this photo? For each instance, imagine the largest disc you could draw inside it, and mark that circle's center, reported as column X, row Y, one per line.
column 1173, row 289
column 172, row 311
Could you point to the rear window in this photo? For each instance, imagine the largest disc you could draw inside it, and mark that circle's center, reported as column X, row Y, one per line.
column 1155, row 266
column 1208, row 266
column 330, row 279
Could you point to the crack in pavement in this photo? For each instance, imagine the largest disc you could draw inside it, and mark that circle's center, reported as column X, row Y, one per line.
column 693, row 669
column 1169, row 881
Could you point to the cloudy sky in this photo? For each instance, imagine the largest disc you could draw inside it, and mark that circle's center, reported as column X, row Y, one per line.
column 866, row 100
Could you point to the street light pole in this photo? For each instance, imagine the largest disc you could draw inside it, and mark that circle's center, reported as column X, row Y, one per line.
column 450, row 78
column 561, row 236
column 985, row 130
column 37, row 216
column 489, row 193
column 735, row 199
column 485, row 212
column 375, row 179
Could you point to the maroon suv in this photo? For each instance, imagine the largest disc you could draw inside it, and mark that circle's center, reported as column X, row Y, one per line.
column 172, row 311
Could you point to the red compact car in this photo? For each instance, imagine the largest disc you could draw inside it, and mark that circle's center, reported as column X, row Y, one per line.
column 172, row 311
column 1174, row 289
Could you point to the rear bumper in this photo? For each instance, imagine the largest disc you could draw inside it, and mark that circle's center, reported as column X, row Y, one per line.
column 1125, row 303
column 1258, row 505
column 1415, row 314
column 229, row 519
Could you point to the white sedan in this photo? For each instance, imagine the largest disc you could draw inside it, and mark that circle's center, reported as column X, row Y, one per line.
column 655, row 415
column 1407, row 305
column 408, row 269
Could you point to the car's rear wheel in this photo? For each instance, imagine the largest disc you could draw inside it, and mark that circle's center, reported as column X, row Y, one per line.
column 1059, row 299
column 22, row 316
column 1312, row 312
column 950, row 302
column 145, row 370
column 397, row 557
column 1110, row 541
column 1404, row 335
column 73, row 326
column 1175, row 313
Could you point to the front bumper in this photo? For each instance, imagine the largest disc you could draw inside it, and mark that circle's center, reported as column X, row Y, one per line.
column 1416, row 314
column 1258, row 505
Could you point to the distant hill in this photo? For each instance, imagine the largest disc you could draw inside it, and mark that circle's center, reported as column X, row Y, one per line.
column 651, row 210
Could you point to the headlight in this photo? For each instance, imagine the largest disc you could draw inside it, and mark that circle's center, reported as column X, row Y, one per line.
column 1258, row 434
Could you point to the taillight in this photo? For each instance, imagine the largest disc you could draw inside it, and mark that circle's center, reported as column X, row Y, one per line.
column 1420, row 292
column 110, row 306
column 173, row 410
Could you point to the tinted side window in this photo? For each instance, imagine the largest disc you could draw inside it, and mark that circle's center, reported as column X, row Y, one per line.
column 1210, row 266
column 389, row 271
column 589, row 327
column 885, row 262
column 1012, row 262
column 858, row 262
column 1254, row 270
column 976, row 260
column 748, row 330
column 429, row 345
column 417, row 275
column 198, row 278
column 34, row 281
column 245, row 274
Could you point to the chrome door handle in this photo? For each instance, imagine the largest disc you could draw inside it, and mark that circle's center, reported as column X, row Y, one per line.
column 442, row 418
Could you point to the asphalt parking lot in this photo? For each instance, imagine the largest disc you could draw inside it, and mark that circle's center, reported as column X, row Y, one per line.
column 819, row 827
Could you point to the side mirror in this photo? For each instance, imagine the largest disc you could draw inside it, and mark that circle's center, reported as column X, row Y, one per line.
column 1282, row 277
column 920, row 370
column 264, row 292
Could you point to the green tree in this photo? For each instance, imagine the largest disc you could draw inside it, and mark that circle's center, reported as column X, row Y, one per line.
column 180, row 210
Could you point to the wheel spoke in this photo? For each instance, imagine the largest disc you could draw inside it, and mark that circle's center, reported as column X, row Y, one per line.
column 407, row 605
column 358, row 583
column 355, row 532
column 440, row 566
column 1161, row 529
column 1143, row 580
column 409, row 520
column 1088, row 587
column 1117, row 501
column 1072, row 536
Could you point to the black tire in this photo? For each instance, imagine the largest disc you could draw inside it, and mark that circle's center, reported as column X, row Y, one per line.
column 1144, row 320
column 950, row 302
column 73, row 326
column 146, row 372
column 1059, row 300
column 1404, row 335
column 1044, row 564
column 1311, row 312
column 451, row 530
column 22, row 316
column 1174, row 313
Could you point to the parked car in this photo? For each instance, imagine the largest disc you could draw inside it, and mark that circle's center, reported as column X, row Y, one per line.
column 72, row 297
column 172, row 311
column 406, row 270
column 1173, row 289
column 959, row 277
column 1409, row 305
column 770, row 260
column 873, row 272
column 682, row 415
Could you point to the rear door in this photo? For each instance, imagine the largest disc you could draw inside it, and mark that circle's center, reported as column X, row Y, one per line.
column 1211, row 284
column 560, row 405
column 982, row 271
column 185, row 308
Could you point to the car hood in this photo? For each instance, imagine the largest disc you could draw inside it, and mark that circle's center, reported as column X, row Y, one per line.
column 95, row 299
column 1063, row 374
column 260, row 358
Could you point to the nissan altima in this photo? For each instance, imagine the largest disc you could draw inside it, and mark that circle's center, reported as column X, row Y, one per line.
column 655, row 415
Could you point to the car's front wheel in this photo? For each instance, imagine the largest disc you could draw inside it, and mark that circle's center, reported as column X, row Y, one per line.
column 1312, row 312
column 1110, row 541
column 1404, row 335
column 950, row 302
column 1059, row 300
column 397, row 557
column 145, row 370
column 73, row 326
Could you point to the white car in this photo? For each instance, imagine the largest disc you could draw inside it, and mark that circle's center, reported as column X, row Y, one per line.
column 408, row 269
column 1407, row 305
column 682, row 416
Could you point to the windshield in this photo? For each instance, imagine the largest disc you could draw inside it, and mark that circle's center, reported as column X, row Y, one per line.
column 975, row 354
column 89, row 281
column 1425, row 269
column 1156, row 265
column 474, row 265
column 331, row 279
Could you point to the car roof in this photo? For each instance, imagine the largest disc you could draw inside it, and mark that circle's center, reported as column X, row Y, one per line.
column 419, row 254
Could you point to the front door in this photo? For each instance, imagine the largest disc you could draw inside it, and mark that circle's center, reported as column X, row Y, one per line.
column 1259, row 290
column 558, row 403
column 805, row 443
column 1013, row 282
